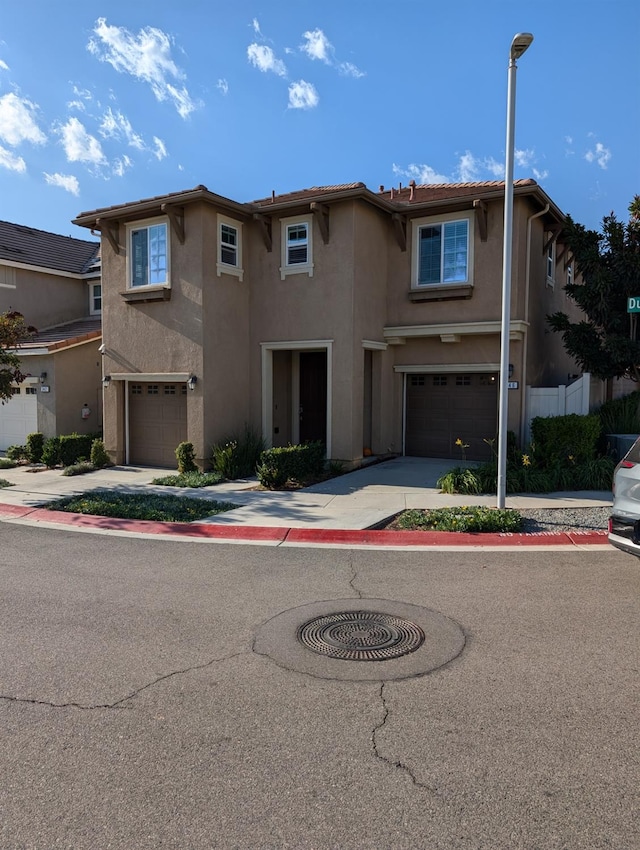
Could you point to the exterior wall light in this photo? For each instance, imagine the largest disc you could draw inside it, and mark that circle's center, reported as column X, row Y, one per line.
column 43, row 377
column 106, row 381
column 191, row 383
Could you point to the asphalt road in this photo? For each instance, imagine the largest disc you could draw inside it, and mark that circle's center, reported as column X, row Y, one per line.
column 136, row 713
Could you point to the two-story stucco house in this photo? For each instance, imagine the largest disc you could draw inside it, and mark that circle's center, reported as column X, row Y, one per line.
column 369, row 320
column 54, row 281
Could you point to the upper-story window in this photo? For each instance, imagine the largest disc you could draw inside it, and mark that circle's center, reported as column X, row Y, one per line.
column 569, row 274
column 442, row 252
column 297, row 247
column 551, row 263
column 148, row 255
column 95, row 299
column 229, row 247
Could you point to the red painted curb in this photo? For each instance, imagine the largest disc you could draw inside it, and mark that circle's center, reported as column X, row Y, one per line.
column 326, row 536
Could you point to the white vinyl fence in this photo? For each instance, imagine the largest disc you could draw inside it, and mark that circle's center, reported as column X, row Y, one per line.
column 557, row 401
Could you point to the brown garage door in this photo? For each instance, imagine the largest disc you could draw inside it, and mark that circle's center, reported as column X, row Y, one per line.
column 444, row 408
column 157, row 423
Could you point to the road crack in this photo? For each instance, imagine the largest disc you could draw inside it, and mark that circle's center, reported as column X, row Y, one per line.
column 352, row 580
column 394, row 763
column 118, row 704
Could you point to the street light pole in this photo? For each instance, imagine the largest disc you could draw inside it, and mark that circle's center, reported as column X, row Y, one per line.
column 520, row 43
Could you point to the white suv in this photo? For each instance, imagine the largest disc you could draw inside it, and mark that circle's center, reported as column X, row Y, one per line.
column 624, row 523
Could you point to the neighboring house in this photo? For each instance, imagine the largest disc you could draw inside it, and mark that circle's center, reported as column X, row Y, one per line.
column 54, row 281
column 368, row 320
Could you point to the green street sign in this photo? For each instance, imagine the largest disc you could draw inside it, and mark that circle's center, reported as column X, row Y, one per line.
column 633, row 304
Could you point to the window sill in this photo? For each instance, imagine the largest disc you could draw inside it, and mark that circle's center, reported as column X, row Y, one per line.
column 224, row 268
column 441, row 292
column 307, row 269
column 147, row 293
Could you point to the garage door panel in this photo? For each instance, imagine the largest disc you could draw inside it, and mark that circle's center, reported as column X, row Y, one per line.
column 157, row 423
column 441, row 409
column 18, row 417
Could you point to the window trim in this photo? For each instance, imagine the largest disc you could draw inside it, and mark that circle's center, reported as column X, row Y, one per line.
column 145, row 224
column 296, row 268
column 550, row 261
column 227, row 268
column 416, row 225
column 92, row 298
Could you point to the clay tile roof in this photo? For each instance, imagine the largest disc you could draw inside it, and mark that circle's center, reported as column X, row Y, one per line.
column 20, row 244
column 313, row 192
column 445, row 191
column 64, row 336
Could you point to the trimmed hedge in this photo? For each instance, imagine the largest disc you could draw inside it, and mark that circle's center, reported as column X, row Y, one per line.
column 75, row 447
column 291, row 463
column 558, row 439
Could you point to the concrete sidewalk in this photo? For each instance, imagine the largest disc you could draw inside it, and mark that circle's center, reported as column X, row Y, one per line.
column 354, row 501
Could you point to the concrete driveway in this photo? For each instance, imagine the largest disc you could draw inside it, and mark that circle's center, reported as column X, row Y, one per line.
column 141, row 708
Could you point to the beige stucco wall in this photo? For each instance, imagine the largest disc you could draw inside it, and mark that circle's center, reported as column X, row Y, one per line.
column 78, row 380
column 46, row 300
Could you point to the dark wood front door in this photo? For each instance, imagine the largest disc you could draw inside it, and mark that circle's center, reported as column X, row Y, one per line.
column 313, row 396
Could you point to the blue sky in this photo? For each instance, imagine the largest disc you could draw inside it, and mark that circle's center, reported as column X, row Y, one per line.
column 102, row 103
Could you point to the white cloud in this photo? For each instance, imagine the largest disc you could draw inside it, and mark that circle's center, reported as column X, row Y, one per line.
column 11, row 161
column 524, row 158
column 121, row 164
column 147, row 57
column 65, row 181
column 79, row 145
column 348, row 69
column 262, row 57
column 3, row 65
column 160, row 149
column 599, row 154
column 18, row 121
column 256, row 27
column 540, row 175
column 420, row 173
column 568, row 140
column 76, row 104
column 317, row 46
column 468, row 167
column 85, row 94
column 223, row 86
column 302, row 95
column 495, row 168
column 115, row 125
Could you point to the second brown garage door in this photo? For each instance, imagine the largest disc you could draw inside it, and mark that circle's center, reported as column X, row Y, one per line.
column 157, row 423
column 444, row 408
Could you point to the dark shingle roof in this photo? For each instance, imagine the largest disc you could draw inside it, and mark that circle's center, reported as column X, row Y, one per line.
column 64, row 336
column 20, row 244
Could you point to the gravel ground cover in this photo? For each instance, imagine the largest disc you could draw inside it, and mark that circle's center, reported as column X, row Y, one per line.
column 565, row 519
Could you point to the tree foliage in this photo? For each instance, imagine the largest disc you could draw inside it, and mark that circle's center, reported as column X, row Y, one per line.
column 607, row 267
column 13, row 331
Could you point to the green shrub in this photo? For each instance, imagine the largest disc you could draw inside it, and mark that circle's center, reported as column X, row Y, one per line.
column 460, row 480
column 596, row 474
column 17, row 452
column 561, row 439
column 185, row 455
column 189, row 479
column 621, row 415
column 99, row 457
column 80, row 468
column 51, row 452
column 5, row 463
column 74, row 447
column 298, row 464
column 140, row 506
column 238, row 457
column 35, row 443
column 5, row 483
column 474, row 518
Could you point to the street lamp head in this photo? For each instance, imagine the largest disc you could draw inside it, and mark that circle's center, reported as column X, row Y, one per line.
column 520, row 43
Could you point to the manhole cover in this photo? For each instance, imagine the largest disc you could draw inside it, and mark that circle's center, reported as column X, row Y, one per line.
column 361, row 636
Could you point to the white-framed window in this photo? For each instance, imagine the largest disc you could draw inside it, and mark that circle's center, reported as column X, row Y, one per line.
column 442, row 250
column 569, row 274
column 229, row 260
column 297, row 246
column 551, row 263
column 148, row 254
column 95, row 299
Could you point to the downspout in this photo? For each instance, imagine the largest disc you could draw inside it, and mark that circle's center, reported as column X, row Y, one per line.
column 525, row 347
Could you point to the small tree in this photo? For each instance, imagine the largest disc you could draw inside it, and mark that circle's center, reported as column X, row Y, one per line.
column 13, row 331
column 607, row 342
